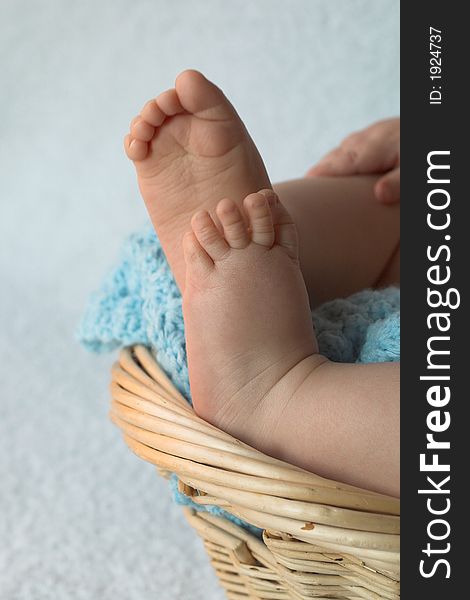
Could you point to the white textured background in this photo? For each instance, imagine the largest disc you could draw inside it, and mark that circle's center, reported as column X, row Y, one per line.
column 80, row 517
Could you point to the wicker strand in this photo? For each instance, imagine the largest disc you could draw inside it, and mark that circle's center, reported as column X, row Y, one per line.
column 321, row 539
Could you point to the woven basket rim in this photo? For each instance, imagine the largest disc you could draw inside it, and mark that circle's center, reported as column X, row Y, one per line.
column 214, row 468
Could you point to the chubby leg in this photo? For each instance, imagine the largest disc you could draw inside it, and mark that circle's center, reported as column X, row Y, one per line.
column 346, row 419
column 347, row 240
column 254, row 365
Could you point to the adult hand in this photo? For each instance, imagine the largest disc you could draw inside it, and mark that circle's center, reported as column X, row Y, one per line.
column 374, row 150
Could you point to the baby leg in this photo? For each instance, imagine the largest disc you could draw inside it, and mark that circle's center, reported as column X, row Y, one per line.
column 253, row 359
column 347, row 240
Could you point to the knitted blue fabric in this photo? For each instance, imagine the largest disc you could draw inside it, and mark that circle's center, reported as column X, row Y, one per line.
column 139, row 303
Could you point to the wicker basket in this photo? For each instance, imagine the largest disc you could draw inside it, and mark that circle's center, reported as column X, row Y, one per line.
column 321, row 539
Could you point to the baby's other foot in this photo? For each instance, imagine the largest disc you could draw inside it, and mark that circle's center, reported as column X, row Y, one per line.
column 190, row 148
column 248, row 325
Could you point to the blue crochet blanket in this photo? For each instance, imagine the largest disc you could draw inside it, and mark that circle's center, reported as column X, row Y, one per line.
column 139, row 303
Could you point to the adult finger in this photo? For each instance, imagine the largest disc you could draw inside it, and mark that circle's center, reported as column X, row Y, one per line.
column 387, row 188
column 375, row 149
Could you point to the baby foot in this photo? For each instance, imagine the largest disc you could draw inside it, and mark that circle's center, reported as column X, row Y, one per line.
column 248, row 325
column 190, row 148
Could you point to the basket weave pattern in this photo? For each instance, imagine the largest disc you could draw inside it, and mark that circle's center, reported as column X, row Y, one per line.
column 321, row 539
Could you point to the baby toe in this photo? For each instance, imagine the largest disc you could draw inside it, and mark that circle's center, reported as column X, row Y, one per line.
column 152, row 113
column 135, row 149
column 200, row 96
column 285, row 230
column 209, row 236
column 233, row 223
column 271, row 197
column 169, row 103
column 141, row 130
column 198, row 262
column 260, row 217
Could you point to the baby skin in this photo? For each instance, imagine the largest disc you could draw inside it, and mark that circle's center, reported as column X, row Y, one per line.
column 254, row 366
column 189, row 147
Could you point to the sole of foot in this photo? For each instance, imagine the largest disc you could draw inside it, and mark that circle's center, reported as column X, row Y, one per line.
column 190, row 148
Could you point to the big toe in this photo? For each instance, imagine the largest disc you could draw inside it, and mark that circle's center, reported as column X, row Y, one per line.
column 260, row 218
column 284, row 227
column 200, row 96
